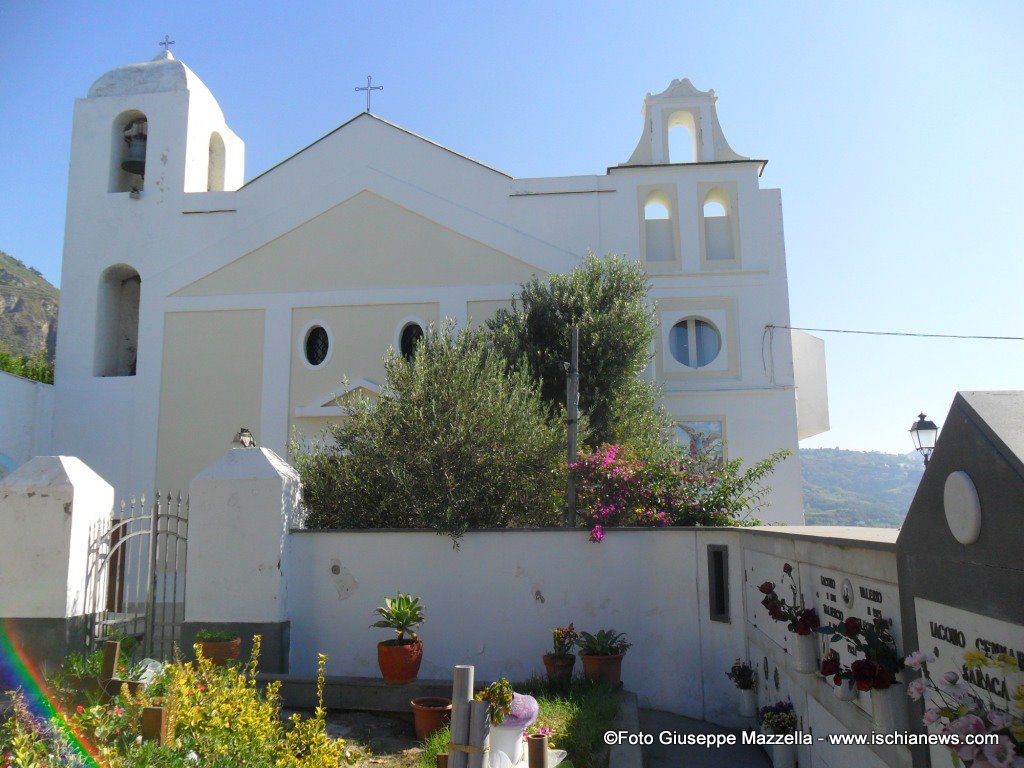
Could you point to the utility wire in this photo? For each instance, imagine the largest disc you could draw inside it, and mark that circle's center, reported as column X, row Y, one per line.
column 899, row 333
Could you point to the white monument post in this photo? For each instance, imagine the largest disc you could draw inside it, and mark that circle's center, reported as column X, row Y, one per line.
column 49, row 509
column 240, row 509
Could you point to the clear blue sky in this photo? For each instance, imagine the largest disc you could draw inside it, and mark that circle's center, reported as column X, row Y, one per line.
column 894, row 130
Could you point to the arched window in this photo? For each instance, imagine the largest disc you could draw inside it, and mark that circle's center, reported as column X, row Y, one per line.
column 215, row 171
column 682, row 138
column 117, row 321
column 409, row 338
column 694, row 342
column 128, row 152
column 659, row 239
column 718, row 234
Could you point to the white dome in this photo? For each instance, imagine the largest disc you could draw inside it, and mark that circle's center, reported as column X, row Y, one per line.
column 162, row 73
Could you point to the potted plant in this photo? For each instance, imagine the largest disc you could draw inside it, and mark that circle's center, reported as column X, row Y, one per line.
column 430, row 714
column 801, row 621
column 743, row 677
column 510, row 714
column 780, row 719
column 560, row 662
column 399, row 658
column 877, row 672
column 217, row 645
column 602, row 655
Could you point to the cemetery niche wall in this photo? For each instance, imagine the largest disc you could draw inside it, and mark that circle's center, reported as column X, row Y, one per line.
column 959, row 558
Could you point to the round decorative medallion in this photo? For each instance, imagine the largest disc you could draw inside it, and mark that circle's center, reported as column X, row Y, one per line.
column 847, row 593
column 963, row 507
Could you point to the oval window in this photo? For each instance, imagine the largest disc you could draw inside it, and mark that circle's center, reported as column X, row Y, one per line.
column 318, row 344
column 411, row 335
column 694, row 342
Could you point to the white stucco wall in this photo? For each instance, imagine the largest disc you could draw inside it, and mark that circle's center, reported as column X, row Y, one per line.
column 26, row 420
column 811, row 384
column 494, row 601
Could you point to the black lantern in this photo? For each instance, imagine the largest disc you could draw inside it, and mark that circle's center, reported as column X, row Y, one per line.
column 924, row 434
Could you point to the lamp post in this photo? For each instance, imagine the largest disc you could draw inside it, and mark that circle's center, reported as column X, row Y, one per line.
column 924, row 433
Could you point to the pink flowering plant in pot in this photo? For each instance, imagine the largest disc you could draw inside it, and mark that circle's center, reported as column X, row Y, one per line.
column 963, row 704
column 799, row 620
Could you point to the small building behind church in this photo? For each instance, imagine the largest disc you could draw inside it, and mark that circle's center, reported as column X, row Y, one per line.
column 194, row 301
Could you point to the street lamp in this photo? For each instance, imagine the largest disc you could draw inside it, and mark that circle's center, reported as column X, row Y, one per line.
column 923, row 433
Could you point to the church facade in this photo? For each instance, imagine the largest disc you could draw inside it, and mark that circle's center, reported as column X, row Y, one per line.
column 194, row 303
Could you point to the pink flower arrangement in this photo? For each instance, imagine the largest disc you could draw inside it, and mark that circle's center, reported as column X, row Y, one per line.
column 955, row 706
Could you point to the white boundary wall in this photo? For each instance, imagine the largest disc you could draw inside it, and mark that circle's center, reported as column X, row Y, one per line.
column 26, row 420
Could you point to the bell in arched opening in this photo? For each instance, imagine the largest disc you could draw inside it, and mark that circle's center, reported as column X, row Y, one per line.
column 135, row 138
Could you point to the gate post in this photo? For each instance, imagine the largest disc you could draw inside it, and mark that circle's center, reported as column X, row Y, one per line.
column 240, row 510
column 49, row 509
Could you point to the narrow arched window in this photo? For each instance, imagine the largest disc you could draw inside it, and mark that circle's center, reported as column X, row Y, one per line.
column 409, row 339
column 659, row 231
column 117, row 322
column 682, row 138
column 128, row 152
column 215, row 170
column 718, row 228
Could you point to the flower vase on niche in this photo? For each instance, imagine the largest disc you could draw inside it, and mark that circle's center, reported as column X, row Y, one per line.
column 801, row 622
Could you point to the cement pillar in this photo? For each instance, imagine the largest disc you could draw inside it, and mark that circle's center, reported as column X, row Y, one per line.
column 50, row 509
column 240, row 510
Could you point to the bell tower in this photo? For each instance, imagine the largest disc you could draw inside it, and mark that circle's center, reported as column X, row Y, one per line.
column 681, row 126
column 146, row 137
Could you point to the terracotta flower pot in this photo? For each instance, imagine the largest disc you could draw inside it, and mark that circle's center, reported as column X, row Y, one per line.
column 221, row 653
column 399, row 660
column 559, row 667
column 431, row 714
column 605, row 669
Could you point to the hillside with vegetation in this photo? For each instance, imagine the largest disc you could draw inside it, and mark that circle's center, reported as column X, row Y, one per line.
column 28, row 309
column 863, row 488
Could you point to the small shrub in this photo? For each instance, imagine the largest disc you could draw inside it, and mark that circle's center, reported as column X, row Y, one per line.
column 36, row 367
column 215, row 636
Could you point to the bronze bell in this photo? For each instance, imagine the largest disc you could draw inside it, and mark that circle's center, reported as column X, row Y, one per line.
column 136, row 160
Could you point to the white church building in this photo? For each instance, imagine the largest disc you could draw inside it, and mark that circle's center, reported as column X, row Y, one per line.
column 195, row 302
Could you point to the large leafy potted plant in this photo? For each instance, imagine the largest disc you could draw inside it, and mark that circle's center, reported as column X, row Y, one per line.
column 801, row 621
column 602, row 655
column 400, row 657
column 560, row 662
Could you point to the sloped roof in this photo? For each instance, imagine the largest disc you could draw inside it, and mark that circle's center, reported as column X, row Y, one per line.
column 1000, row 416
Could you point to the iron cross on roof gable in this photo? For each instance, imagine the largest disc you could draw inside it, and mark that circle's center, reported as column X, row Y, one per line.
column 369, row 88
column 166, row 43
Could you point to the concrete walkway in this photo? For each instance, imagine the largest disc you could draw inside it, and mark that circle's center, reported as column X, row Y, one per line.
column 657, row 755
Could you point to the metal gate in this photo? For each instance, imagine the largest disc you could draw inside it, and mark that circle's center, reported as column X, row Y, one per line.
column 136, row 582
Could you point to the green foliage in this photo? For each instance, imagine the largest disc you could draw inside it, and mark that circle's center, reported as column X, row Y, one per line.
column 402, row 613
column 218, row 718
column 36, row 366
column 737, row 493
column 215, row 636
column 454, row 442
column 498, row 696
column 605, row 642
column 861, row 488
column 607, row 298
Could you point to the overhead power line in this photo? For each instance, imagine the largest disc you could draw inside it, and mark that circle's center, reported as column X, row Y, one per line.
column 900, row 333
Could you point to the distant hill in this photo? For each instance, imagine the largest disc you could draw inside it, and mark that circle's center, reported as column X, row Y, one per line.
column 28, row 308
column 863, row 488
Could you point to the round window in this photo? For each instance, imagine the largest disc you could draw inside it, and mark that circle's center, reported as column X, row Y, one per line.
column 318, row 344
column 694, row 342
column 411, row 335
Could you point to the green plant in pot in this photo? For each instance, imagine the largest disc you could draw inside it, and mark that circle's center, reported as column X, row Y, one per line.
column 218, row 645
column 400, row 657
column 602, row 655
column 560, row 661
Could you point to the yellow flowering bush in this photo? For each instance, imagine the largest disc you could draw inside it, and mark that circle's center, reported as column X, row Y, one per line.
column 217, row 718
